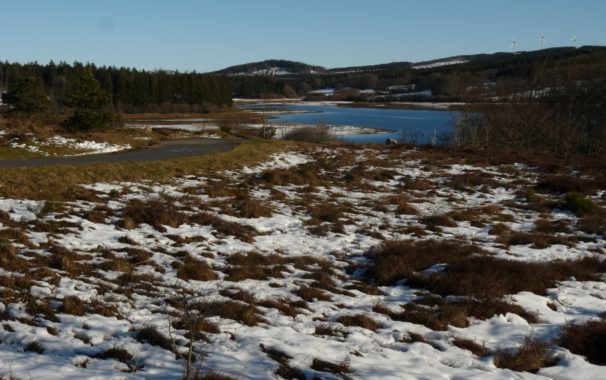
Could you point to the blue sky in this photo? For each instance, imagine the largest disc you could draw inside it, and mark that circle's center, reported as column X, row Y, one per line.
column 210, row 35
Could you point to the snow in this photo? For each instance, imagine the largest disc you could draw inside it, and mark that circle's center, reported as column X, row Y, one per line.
column 235, row 350
column 84, row 147
column 91, row 147
column 439, row 64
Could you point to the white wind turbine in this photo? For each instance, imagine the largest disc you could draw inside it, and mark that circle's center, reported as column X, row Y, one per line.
column 574, row 40
column 542, row 40
column 514, row 45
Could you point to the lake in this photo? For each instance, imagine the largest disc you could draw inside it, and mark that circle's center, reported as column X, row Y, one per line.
column 419, row 126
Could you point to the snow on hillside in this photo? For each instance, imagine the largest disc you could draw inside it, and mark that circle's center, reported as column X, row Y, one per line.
column 431, row 65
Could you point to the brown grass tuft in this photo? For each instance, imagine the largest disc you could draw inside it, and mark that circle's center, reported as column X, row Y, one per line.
column 193, row 269
column 396, row 260
column 360, row 320
column 531, row 356
column 325, row 366
column 73, row 305
column 152, row 336
column 587, row 339
column 237, row 311
column 471, row 346
column 155, row 212
column 492, row 278
column 253, row 265
column 119, row 354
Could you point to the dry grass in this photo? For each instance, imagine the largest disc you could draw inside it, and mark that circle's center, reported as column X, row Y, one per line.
column 492, row 278
column 470, row 181
column 193, row 269
column 34, row 346
column 253, row 265
column 335, row 368
column 310, row 294
column 397, row 260
column 301, row 175
column 471, row 346
column 434, row 222
column 326, row 329
column 158, row 213
column 360, row 320
column 536, row 240
column 561, row 184
column 63, row 182
column 152, row 336
column 234, row 310
column 73, row 305
column 249, row 207
column 531, row 356
column 243, row 232
column 587, row 339
column 119, row 354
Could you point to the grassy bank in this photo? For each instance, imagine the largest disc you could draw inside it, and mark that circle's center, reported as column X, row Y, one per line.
column 62, row 183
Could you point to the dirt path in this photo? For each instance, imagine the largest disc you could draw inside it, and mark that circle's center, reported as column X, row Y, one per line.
column 162, row 151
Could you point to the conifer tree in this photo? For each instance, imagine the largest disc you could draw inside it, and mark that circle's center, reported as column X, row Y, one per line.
column 28, row 96
column 92, row 105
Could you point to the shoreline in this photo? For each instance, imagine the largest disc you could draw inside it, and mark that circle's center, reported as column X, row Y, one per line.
column 437, row 106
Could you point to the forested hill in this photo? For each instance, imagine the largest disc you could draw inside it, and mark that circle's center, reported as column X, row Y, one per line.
column 132, row 90
column 271, row 67
column 445, row 79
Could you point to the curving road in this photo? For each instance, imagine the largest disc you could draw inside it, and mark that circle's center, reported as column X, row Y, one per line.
column 164, row 150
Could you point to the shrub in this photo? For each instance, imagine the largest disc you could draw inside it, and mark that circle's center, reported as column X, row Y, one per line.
column 312, row 134
column 587, row 339
column 531, row 356
column 578, row 203
column 561, row 184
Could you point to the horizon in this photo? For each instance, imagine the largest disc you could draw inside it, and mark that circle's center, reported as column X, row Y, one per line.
column 58, row 61
column 204, row 37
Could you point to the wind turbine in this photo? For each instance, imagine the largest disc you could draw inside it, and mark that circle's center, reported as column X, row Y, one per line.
column 542, row 40
column 514, row 45
column 574, row 40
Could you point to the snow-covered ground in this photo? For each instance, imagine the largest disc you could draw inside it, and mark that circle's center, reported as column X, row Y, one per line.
column 77, row 146
column 267, row 262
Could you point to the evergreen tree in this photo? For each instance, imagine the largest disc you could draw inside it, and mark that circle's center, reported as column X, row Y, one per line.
column 28, row 96
column 91, row 104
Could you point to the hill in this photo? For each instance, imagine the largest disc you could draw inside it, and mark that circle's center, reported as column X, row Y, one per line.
column 271, row 67
column 444, row 79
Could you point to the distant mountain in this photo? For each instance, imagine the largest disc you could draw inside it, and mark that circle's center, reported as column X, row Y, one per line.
column 271, row 67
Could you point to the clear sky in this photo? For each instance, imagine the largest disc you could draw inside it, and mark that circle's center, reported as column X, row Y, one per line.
column 209, row 35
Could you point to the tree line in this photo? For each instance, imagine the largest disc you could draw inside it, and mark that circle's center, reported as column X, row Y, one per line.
column 129, row 90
